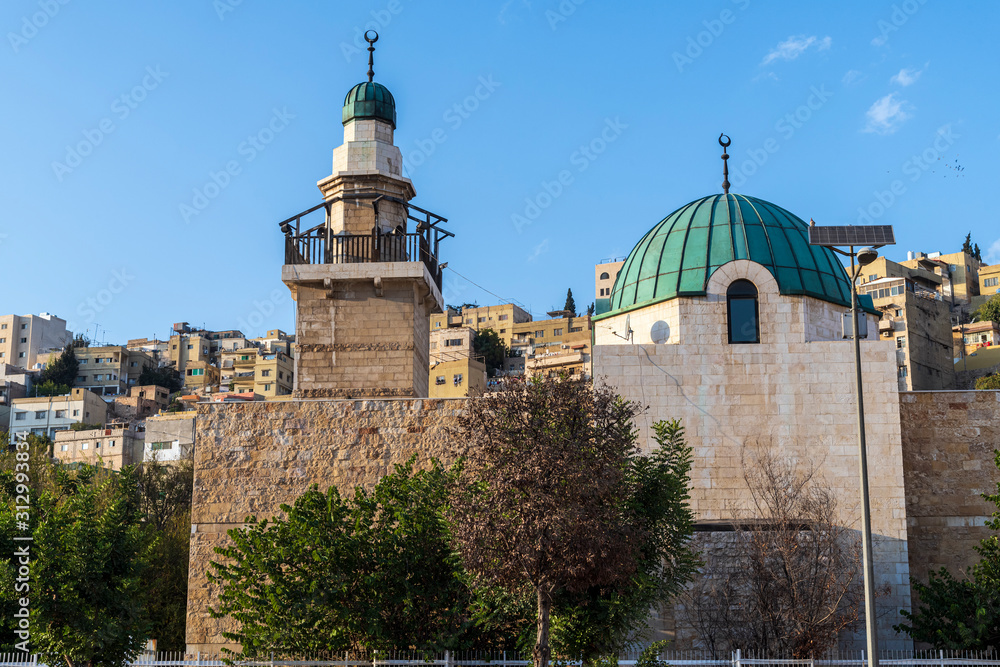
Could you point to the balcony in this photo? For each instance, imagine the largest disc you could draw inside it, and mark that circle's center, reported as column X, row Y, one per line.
column 245, row 363
column 555, row 360
column 320, row 245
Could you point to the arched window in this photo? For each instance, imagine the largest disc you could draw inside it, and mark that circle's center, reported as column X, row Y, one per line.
column 605, row 275
column 742, row 312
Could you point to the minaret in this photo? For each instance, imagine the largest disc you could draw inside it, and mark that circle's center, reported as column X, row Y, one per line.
column 364, row 272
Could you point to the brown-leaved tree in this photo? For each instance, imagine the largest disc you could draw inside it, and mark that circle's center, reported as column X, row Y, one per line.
column 542, row 506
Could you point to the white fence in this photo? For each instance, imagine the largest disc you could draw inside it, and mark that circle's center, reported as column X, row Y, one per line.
column 481, row 659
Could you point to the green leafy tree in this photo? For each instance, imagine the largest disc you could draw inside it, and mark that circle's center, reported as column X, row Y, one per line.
column 87, row 559
column 490, row 346
column 590, row 309
column 371, row 572
column 989, row 311
column 972, row 248
column 570, row 302
column 962, row 613
column 164, row 377
column 550, row 504
column 50, row 388
column 988, row 382
column 62, row 370
column 165, row 503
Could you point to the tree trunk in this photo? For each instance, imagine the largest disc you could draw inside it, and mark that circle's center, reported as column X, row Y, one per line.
column 543, row 651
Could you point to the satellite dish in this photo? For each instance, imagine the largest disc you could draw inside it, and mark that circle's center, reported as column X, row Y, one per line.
column 628, row 327
column 660, row 332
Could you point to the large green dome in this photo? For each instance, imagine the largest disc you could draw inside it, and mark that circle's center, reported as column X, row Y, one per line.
column 679, row 255
column 370, row 100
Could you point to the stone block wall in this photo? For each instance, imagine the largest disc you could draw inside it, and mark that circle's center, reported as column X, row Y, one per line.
column 358, row 337
column 795, row 397
column 252, row 457
column 948, row 442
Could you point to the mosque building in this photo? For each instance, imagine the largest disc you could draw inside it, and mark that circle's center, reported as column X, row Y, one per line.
column 722, row 316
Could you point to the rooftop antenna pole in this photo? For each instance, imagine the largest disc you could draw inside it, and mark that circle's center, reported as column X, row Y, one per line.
column 725, row 161
column 371, row 53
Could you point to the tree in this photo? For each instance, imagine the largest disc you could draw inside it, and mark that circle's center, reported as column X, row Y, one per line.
column 488, row 344
column 989, row 311
column 549, row 495
column 50, row 388
column 962, row 613
column 972, row 248
column 164, row 377
column 788, row 585
column 165, row 502
column 375, row 571
column 570, row 303
column 87, row 559
column 61, row 370
column 607, row 621
column 988, row 382
column 590, row 309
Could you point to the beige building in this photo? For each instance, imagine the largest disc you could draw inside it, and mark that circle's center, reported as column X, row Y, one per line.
column 970, row 338
column 47, row 415
column 989, row 280
column 605, row 274
column 555, row 346
column 113, row 447
column 108, row 370
column 15, row 382
column 960, row 268
column 141, row 402
column 500, row 318
column 170, row 437
column 24, row 337
column 917, row 321
column 451, row 344
column 200, row 376
column 457, row 378
column 258, row 370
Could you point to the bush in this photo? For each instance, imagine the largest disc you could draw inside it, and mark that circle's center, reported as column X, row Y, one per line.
column 988, row 382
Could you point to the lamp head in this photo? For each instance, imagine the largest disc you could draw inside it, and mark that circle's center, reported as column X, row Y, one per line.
column 866, row 256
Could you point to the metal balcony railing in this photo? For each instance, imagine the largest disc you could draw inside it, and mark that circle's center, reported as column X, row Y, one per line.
column 318, row 244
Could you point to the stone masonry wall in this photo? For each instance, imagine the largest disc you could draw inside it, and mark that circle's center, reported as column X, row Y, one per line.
column 948, row 443
column 351, row 345
column 252, row 457
column 795, row 397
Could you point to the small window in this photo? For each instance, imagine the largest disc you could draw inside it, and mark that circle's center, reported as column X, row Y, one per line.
column 557, row 332
column 438, row 380
column 899, row 312
column 24, row 340
column 20, row 355
column 482, row 319
column 504, row 317
column 741, row 298
column 60, row 414
column 901, row 342
column 267, row 387
column 85, row 445
column 901, row 371
column 458, row 379
column 20, row 416
column 23, row 327
column 265, row 373
column 190, row 347
column 40, row 414
column 76, row 413
column 64, row 448
column 540, row 333
column 605, row 276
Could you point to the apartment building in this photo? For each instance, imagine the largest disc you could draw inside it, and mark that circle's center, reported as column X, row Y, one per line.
column 961, row 269
column 24, row 337
column 918, row 320
column 560, row 345
column 969, row 338
column 605, row 274
column 501, row 319
column 170, row 437
column 108, row 370
column 989, row 281
column 276, row 340
column 15, row 382
column 47, row 415
column 141, row 402
column 113, row 448
column 457, row 378
column 258, row 371
column 200, row 375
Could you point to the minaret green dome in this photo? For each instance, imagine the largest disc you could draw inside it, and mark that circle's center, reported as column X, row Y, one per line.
column 370, row 100
column 679, row 255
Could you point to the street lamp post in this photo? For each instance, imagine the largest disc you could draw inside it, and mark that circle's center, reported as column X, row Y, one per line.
column 850, row 236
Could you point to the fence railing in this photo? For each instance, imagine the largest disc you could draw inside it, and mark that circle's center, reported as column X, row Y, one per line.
column 929, row 658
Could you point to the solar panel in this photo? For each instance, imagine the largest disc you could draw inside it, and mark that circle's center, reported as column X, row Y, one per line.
column 840, row 235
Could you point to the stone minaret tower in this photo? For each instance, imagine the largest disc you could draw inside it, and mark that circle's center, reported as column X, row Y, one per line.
column 366, row 278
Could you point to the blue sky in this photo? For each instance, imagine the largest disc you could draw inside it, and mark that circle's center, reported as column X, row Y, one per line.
column 552, row 134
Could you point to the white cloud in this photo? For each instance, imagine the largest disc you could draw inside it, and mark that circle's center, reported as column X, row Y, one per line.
column 793, row 47
column 993, row 254
column 886, row 115
column 880, row 40
column 540, row 249
column 906, row 77
column 852, row 76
